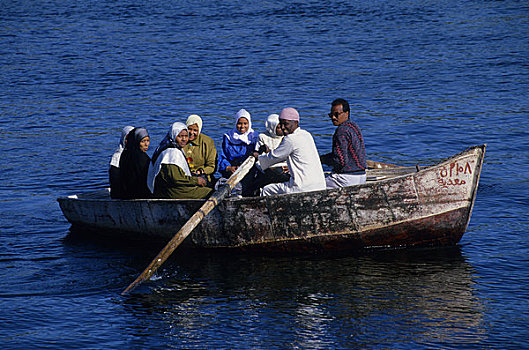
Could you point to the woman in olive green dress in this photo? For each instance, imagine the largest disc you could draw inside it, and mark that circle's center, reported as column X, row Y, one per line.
column 169, row 175
column 200, row 150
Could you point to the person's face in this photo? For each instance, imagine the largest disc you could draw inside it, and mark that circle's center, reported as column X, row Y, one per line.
column 144, row 143
column 279, row 132
column 337, row 115
column 288, row 126
column 182, row 138
column 193, row 132
column 242, row 125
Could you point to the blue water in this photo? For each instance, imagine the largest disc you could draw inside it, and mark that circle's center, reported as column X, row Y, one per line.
column 425, row 80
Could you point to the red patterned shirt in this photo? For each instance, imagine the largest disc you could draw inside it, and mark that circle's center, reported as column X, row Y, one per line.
column 348, row 150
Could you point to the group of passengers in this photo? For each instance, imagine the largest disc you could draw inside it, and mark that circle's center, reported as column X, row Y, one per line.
column 184, row 164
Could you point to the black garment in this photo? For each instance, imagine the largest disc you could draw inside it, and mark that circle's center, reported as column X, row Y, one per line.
column 134, row 166
column 270, row 176
column 247, row 183
column 115, row 182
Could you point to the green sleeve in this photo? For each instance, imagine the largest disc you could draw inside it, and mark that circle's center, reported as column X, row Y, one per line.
column 210, row 163
column 175, row 176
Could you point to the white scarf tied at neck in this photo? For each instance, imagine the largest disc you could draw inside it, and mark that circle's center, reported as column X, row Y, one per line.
column 170, row 155
column 235, row 136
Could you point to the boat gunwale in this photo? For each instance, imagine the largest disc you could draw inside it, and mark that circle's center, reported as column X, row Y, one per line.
column 361, row 235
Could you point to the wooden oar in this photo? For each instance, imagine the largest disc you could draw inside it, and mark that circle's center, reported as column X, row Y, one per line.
column 193, row 222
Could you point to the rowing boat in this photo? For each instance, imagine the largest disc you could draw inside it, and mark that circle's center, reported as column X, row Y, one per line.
column 397, row 207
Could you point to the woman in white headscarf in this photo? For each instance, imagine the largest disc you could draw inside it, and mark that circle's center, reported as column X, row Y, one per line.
column 169, row 175
column 200, row 150
column 272, row 137
column 237, row 145
column 113, row 171
column 267, row 142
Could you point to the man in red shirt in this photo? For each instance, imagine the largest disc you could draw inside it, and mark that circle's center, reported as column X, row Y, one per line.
column 348, row 157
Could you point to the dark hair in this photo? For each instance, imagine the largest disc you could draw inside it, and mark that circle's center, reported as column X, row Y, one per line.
column 341, row 101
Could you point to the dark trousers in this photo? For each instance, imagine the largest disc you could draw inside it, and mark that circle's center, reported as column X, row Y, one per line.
column 269, row 176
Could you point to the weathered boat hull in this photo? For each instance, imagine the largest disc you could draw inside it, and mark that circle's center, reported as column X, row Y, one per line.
column 431, row 206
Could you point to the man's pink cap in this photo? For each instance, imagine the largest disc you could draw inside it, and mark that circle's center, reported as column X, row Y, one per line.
column 289, row 113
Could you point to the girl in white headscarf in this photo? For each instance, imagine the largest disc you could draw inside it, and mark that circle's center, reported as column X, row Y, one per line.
column 272, row 137
column 113, row 171
column 237, row 145
column 169, row 175
column 267, row 142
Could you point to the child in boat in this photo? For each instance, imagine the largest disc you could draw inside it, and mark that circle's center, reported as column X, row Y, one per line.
column 200, row 150
column 237, row 145
column 169, row 175
column 269, row 141
column 134, row 165
column 113, row 171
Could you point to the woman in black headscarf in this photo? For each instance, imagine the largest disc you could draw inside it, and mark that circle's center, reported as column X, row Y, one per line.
column 134, row 165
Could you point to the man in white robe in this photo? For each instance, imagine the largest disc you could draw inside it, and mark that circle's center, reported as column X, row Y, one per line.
column 299, row 151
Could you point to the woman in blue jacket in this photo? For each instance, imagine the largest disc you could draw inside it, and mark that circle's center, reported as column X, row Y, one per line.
column 237, row 145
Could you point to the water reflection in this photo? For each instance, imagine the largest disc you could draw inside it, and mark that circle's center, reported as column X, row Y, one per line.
column 310, row 302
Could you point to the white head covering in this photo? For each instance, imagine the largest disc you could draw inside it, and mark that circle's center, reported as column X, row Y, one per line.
column 270, row 138
column 114, row 161
column 168, row 152
column 195, row 119
column 271, row 124
column 235, row 136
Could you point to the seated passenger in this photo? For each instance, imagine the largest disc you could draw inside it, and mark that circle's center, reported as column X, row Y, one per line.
column 348, row 156
column 134, row 165
column 237, row 145
column 269, row 141
column 113, row 171
column 299, row 151
column 169, row 175
column 200, row 150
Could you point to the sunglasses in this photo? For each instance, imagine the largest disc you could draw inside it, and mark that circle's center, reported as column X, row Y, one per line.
column 335, row 114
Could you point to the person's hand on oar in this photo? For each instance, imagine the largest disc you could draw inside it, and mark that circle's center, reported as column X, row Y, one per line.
column 232, row 168
column 261, row 150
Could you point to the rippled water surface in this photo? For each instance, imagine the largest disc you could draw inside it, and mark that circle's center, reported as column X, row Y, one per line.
column 425, row 80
